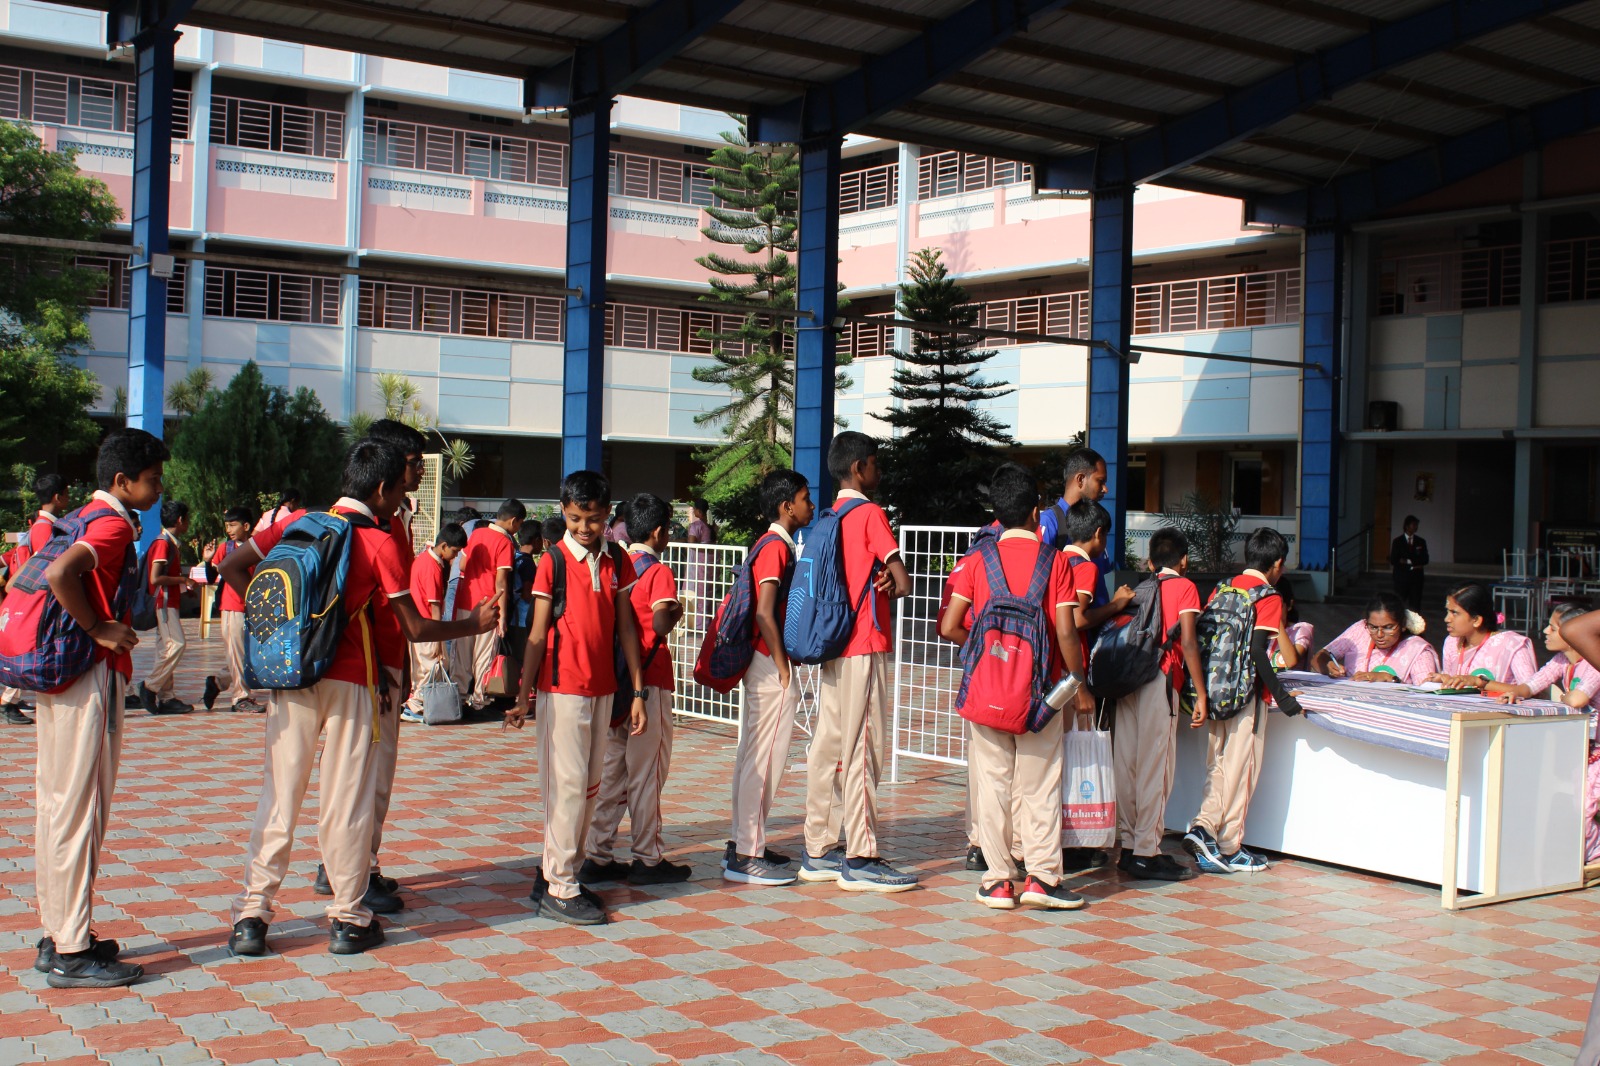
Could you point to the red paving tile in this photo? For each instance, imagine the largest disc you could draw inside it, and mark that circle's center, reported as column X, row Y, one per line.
column 469, row 946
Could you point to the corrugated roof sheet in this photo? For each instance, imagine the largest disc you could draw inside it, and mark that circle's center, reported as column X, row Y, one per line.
column 1089, row 71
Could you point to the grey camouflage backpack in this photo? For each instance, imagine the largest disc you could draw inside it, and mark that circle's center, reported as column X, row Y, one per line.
column 1223, row 633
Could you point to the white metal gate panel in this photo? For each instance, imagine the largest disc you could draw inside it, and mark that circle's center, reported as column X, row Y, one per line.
column 927, row 672
column 705, row 574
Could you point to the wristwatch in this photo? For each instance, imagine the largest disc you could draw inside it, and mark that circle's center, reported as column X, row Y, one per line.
column 641, row 693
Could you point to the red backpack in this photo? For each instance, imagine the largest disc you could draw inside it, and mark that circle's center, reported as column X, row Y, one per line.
column 1005, row 663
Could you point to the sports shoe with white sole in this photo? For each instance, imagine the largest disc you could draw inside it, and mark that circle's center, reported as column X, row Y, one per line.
column 1051, row 897
column 873, row 875
column 1000, row 896
column 1245, row 861
column 1199, row 842
column 756, row 871
column 819, row 868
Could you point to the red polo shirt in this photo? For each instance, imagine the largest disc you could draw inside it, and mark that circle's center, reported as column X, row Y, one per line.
column 583, row 636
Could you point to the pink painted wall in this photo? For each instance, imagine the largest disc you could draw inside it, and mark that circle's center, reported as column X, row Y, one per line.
column 280, row 216
column 470, row 237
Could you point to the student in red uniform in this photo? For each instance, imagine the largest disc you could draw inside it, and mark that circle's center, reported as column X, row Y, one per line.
column 486, row 570
column 343, row 705
column 430, row 574
column 1087, row 526
column 1234, row 746
column 851, row 718
column 158, row 691
column 1015, row 779
column 236, row 694
column 771, row 692
column 394, row 655
column 1144, row 757
column 636, row 766
column 569, row 662
column 51, row 490
column 80, row 726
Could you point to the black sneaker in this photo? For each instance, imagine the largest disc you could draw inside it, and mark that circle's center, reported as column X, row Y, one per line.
column 86, row 969
column 376, row 900
column 579, row 910
column 662, row 873
column 1154, row 867
column 594, row 873
column 1057, row 897
column 347, row 938
column 768, row 856
column 1074, row 860
column 133, row 701
column 173, row 706
column 320, row 886
column 536, row 893
column 249, row 937
column 147, row 699
column 212, row 691
column 975, row 860
column 12, row 713
column 388, row 884
column 105, row 949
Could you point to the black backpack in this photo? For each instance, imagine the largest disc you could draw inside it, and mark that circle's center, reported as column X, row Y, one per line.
column 1128, row 648
column 558, row 601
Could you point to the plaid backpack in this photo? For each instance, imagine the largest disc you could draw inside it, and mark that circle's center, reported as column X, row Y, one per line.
column 1224, row 632
column 42, row 649
column 730, row 640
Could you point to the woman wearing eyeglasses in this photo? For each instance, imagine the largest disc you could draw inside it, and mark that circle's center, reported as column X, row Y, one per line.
column 1386, row 646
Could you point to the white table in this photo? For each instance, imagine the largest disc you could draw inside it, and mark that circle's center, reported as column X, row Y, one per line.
column 1512, row 788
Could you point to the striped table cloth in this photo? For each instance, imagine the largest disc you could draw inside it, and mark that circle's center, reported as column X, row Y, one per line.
column 1386, row 714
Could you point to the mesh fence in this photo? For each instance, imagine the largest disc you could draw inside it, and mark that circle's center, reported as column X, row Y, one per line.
column 927, row 672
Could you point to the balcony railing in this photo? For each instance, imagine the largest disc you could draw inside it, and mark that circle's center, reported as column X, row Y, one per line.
column 1236, row 301
column 1572, row 270
column 949, row 173
column 867, row 190
column 271, row 296
column 470, row 153
column 241, row 123
column 79, row 102
column 1451, row 280
column 116, row 294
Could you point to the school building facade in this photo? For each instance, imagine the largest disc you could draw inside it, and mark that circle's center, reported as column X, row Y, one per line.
column 1472, row 329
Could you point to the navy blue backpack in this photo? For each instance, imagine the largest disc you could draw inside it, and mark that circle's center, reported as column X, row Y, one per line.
column 294, row 613
column 821, row 612
column 730, row 640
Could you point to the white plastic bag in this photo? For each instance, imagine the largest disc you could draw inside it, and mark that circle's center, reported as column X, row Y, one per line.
column 1088, row 791
column 441, row 700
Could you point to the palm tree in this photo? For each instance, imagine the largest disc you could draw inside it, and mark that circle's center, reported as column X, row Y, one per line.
column 188, row 393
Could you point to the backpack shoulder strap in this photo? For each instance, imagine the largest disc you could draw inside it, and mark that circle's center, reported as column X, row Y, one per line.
column 558, row 584
column 1061, row 524
column 1039, row 583
column 993, row 572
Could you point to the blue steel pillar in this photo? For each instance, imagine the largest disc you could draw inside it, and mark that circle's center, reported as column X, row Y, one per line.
column 152, row 188
column 583, row 375
column 818, row 293
column 152, row 177
column 1322, row 269
column 1111, row 320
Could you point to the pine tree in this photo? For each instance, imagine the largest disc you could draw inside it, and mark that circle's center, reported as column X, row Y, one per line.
column 757, row 192
column 945, row 446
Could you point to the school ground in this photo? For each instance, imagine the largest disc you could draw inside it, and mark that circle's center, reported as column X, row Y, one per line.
column 1305, row 964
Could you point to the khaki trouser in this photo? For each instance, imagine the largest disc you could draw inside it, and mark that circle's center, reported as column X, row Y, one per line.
column 423, row 656
column 169, row 649
column 484, row 648
column 10, row 695
column 763, row 753
column 572, row 751
column 848, row 741
column 233, row 640
column 1016, row 794
column 295, row 719
column 1233, row 765
column 80, row 744
column 634, row 774
column 461, row 650
column 385, row 753
column 1144, row 759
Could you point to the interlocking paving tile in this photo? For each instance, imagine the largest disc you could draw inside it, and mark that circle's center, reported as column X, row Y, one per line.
column 1305, row 965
